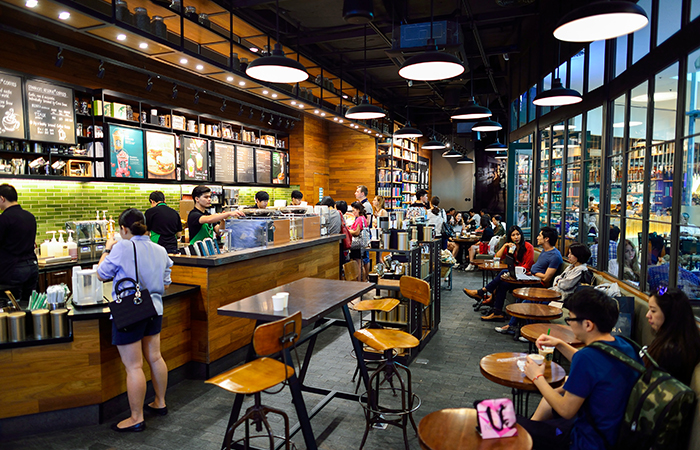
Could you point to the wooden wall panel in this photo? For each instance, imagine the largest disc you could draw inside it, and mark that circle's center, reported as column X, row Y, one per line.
column 352, row 162
column 309, row 155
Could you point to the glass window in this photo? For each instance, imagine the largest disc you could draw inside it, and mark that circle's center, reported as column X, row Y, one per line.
column 620, row 55
column 546, row 85
column 543, row 197
column 557, row 144
column 635, row 183
column 665, row 97
column 523, row 109
column 628, row 254
column 544, row 147
column 555, row 221
column 689, row 251
column 573, row 146
column 638, row 116
column 577, row 71
column 619, row 123
column 658, row 258
column 613, row 237
column 514, row 107
column 591, row 199
column 616, row 169
column 594, row 133
column 669, row 19
column 694, row 9
column 661, row 181
column 531, row 108
column 692, row 100
column 596, row 67
column 641, row 38
column 562, row 73
column 556, row 192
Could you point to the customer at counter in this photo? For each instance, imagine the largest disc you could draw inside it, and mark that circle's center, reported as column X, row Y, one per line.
column 201, row 224
column 297, row 197
column 19, row 267
column 163, row 222
column 336, row 217
column 142, row 338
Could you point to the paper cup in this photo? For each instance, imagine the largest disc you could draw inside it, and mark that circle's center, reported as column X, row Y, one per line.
column 277, row 302
column 496, row 260
column 285, row 296
column 538, row 359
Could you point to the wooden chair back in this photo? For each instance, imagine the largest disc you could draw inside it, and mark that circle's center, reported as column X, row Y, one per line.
column 352, row 272
column 416, row 289
column 275, row 336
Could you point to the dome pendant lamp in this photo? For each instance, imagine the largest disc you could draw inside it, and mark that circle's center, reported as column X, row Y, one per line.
column 431, row 65
column 408, row 131
column 465, row 160
column 495, row 146
column 433, row 144
column 601, row 20
column 452, row 153
column 502, row 155
column 558, row 95
column 277, row 68
column 472, row 110
column 365, row 110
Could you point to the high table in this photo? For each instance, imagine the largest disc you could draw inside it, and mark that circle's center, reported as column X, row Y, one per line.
column 489, row 267
column 315, row 298
column 502, row 368
column 464, row 243
column 455, row 429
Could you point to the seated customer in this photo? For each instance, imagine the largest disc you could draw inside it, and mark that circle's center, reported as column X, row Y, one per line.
column 545, row 268
column 604, row 383
column 515, row 246
column 676, row 347
column 565, row 283
column 486, row 235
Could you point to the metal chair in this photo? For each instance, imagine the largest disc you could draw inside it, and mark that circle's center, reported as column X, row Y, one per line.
column 263, row 373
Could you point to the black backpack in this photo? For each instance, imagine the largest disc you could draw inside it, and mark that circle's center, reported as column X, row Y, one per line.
column 659, row 410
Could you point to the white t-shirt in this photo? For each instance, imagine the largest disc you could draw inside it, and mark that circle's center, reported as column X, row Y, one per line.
column 437, row 220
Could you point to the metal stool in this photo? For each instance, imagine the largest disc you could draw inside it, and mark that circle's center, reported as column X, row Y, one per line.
column 261, row 374
column 387, row 341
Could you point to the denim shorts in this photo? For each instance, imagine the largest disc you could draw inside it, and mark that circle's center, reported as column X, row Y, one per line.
column 137, row 331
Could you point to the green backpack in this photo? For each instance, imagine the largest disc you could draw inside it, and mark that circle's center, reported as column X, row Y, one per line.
column 659, row 409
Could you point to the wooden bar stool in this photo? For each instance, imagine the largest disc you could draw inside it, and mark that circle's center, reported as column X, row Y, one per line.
column 387, row 341
column 259, row 375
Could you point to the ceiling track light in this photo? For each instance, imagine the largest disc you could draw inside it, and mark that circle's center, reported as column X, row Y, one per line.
column 277, row 68
column 601, row 20
column 431, row 65
column 240, row 111
column 291, row 127
column 59, row 58
column 287, row 124
column 149, row 84
column 365, row 110
column 196, row 97
column 271, row 121
column 101, row 70
column 262, row 116
column 279, row 121
column 223, row 106
column 174, row 96
column 250, row 115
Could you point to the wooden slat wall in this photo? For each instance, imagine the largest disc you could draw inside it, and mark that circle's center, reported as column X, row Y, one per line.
column 352, row 162
column 309, row 155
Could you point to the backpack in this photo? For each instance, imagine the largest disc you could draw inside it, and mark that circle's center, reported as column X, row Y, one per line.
column 659, row 409
column 447, row 229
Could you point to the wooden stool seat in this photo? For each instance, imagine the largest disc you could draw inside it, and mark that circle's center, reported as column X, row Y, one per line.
column 535, row 294
column 380, row 304
column 252, row 377
column 383, row 339
column 533, row 311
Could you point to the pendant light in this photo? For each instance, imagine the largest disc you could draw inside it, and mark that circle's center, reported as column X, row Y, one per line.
column 495, row 146
column 558, row 95
column 601, row 20
column 465, row 160
column 433, row 144
column 487, row 125
column 452, row 153
column 472, row 110
column 502, row 155
column 408, row 131
column 365, row 110
column 431, row 65
column 277, row 68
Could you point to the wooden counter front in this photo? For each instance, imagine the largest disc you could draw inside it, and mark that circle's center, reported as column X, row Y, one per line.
column 215, row 336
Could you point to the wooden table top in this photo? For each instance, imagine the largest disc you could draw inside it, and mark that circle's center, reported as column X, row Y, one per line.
column 502, row 368
column 533, row 311
column 563, row 332
column 455, row 429
column 488, row 264
column 509, row 279
column 314, row 297
column 536, row 294
column 466, row 239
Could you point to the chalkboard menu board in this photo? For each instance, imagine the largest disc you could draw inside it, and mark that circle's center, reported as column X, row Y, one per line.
column 279, row 168
column 195, row 154
column 126, row 154
column 245, row 165
column 11, row 110
column 50, row 111
column 224, row 163
column 263, row 166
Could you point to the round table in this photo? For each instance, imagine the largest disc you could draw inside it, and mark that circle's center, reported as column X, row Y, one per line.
column 534, row 330
column 536, row 294
column 455, row 429
column 533, row 311
column 488, row 266
column 502, row 368
column 506, row 277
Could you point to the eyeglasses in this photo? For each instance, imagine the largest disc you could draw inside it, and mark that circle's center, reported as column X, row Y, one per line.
column 575, row 319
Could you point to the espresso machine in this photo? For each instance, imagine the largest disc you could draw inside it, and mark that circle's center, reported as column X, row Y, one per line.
column 91, row 236
column 230, row 197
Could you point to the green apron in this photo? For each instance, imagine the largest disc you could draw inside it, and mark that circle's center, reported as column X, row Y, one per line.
column 207, row 231
column 155, row 236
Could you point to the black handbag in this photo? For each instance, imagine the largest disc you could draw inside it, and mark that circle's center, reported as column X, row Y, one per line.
column 132, row 304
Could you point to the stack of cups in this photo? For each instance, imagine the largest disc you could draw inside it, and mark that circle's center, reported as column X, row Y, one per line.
column 280, row 301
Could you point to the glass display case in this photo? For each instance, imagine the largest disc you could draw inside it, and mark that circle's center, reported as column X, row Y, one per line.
column 519, row 210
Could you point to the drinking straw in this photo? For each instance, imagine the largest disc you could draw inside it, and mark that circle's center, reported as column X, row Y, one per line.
column 549, row 330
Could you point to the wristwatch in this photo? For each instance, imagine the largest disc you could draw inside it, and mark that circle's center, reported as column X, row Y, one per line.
column 107, row 250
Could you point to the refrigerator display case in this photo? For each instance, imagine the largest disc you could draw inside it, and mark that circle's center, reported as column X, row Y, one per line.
column 520, row 191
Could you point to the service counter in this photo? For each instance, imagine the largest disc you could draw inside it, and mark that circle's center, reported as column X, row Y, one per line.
column 87, row 373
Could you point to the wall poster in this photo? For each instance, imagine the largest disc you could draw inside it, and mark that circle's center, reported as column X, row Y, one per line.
column 195, row 156
column 126, row 152
column 160, row 152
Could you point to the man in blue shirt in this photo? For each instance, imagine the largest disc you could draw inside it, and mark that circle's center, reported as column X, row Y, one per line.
column 546, row 268
column 612, row 248
column 603, row 382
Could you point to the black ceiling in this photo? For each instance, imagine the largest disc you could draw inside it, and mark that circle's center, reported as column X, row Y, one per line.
column 491, row 31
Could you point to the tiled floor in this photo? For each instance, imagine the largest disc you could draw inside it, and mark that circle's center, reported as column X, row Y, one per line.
column 198, row 413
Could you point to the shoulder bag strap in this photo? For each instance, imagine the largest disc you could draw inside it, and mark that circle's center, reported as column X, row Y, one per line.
column 136, row 264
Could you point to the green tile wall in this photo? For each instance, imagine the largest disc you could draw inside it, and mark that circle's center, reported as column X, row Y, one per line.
column 53, row 203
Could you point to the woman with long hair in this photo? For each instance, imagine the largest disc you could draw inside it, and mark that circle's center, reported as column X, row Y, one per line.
column 379, row 210
column 142, row 338
column 676, row 347
column 360, row 223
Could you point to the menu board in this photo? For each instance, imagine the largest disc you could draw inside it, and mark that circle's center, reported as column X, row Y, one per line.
column 160, row 153
column 263, row 166
column 279, row 168
column 50, row 111
column 11, row 109
column 245, row 165
column 126, row 155
column 195, row 158
column 224, row 163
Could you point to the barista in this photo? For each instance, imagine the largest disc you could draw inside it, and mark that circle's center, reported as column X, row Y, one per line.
column 163, row 222
column 203, row 225
column 261, row 199
column 19, row 267
column 297, row 197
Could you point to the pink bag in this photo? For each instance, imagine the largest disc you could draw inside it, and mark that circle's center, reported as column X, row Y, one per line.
column 496, row 418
